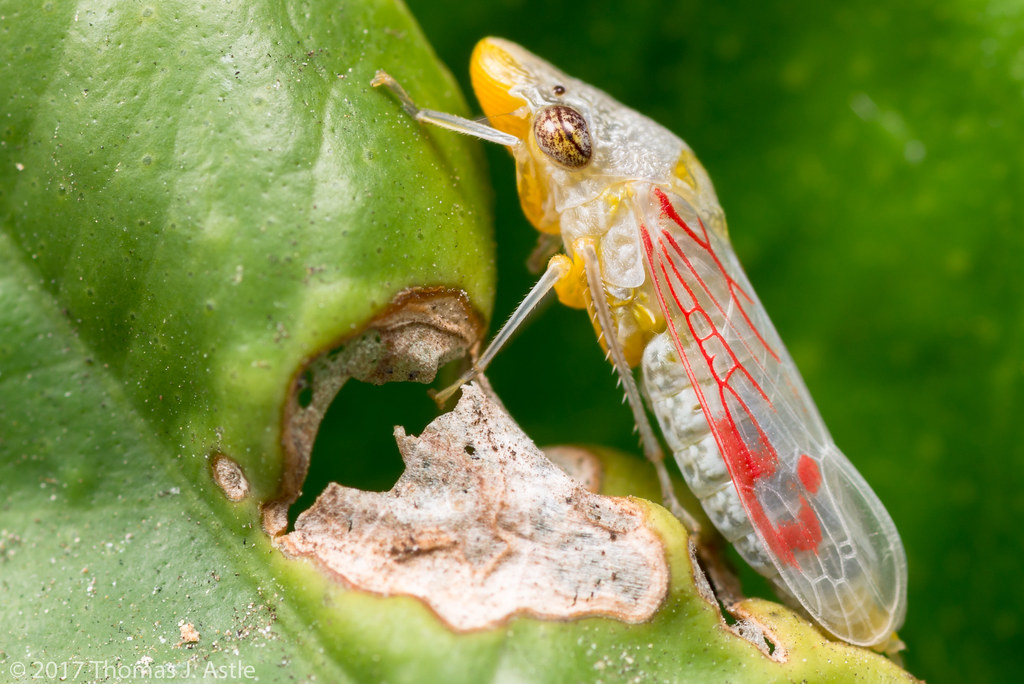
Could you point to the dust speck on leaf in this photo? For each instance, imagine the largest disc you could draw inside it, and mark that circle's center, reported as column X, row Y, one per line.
column 189, row 635
column 229, row 477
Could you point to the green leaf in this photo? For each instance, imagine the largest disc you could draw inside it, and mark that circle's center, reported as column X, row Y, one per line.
column 211, row 198
column 197, row 201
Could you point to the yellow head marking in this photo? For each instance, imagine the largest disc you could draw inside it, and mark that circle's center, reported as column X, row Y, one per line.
column 532, row 193
column 493, row 72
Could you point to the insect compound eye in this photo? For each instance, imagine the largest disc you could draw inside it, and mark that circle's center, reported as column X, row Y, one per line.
column 562, row 134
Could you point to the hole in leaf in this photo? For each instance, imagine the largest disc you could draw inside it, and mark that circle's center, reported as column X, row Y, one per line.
column 305, row 397
column 729, row 618
column 355, row 445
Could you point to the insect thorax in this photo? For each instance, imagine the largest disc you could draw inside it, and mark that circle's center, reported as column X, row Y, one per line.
column 611, row 225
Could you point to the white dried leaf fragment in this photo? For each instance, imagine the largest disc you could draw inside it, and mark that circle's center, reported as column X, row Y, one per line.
column 482, row 526
column 578, row 463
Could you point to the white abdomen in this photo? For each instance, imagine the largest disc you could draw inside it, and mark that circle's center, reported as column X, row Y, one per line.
column 688, row 435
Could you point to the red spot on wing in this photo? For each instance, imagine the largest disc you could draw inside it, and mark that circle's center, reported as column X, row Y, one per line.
column 747, row 466
column 804, row 532
column 809, row 473
column 750, row 464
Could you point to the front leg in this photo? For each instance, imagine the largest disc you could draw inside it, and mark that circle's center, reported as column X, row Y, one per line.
column 442, row 119
column 559, row 268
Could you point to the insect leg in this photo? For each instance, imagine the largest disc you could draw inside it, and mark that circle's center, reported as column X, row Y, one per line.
column 449, row 121
column 547, row 246
column 557, row 269
column 652, row 449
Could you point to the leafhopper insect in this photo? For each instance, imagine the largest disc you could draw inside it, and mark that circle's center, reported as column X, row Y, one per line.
column 646, row 252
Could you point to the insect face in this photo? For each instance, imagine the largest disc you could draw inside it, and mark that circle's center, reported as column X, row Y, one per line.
column 562, row 134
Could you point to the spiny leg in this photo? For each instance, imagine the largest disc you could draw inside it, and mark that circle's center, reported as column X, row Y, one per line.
column 651, row 446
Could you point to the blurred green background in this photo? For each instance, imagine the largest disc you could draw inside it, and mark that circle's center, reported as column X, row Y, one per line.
column 869, row 160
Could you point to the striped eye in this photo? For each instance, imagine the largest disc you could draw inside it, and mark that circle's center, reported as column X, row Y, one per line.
column 562, row 133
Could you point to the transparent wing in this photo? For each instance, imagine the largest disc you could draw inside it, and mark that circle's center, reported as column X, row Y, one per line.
column 834, row 545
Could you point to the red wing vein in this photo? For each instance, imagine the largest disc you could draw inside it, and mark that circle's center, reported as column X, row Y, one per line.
column 749, row 454
column 734, row 288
